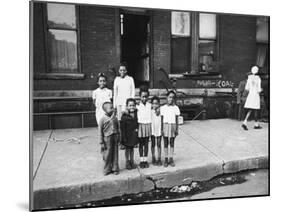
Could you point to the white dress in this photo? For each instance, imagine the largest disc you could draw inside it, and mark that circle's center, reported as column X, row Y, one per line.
column 123, row 88
column 155, row 124
column 101, row 96
column 253, row 85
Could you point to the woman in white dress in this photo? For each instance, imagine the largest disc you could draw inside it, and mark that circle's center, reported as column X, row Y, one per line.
column 252, row 103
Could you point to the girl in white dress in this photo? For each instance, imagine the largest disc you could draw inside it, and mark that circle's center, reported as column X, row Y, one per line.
column 123, row 89
column 169, row 124
column 101, row 95
column 144, row 128
column 252, row 103
column 156, row 130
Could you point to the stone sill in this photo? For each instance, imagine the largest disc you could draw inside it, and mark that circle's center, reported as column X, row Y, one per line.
column 59, row 76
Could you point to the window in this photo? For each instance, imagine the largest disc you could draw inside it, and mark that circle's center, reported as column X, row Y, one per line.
column 194, row 42
column 262, row 43
column 181, row 42
column 207, row 42
column 62, row 38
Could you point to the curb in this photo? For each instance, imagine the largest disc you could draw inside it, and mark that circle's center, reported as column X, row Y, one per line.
column 77, row 194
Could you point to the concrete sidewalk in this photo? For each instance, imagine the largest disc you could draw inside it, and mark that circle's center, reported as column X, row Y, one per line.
column 68, row 170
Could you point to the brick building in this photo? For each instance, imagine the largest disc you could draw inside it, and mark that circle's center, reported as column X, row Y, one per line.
column 203, row 55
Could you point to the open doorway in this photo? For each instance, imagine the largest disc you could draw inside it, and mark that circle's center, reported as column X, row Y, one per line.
column 135, row 46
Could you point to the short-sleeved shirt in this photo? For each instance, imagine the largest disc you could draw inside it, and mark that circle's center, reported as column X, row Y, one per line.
column 144, row 113
column 169, row 113
column 101, row 96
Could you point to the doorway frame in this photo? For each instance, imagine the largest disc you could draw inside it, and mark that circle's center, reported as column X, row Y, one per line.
column 149, row 14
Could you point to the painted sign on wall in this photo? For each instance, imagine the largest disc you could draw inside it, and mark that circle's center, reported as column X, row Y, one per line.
column 214, row 83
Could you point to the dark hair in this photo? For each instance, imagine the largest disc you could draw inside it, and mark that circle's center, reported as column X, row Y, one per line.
column 171, row 91
column 102, row 75
column 130, row 100
column 155, row 98
column 144, row 88
column 125, row 64
column 105, row 103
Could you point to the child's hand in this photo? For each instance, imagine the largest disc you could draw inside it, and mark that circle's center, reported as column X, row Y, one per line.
column 176, row 133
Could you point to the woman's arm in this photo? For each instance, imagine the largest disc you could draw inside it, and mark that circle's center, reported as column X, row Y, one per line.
column 177, row 125
column 133, row 92
column 162, row 118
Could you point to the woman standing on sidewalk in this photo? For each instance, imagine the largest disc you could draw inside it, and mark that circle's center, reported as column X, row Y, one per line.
column 252, row 103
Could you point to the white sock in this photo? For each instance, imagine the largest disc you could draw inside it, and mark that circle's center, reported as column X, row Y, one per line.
column 257, row 124
column 141, row 159
column 245, row 122
column 144, row 159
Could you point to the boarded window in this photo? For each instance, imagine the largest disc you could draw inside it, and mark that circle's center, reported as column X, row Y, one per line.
column 62, row 38
column 181, row 54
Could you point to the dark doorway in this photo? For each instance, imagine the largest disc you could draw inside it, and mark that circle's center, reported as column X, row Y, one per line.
column 135, row 46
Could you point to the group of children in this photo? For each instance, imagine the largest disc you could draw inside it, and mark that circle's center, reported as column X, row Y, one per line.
column 130, row 125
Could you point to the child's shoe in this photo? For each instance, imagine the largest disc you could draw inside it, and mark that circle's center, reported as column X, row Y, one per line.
column 128, row 165
column 244, row 126
column 133, row 165
column 146, row 165
column 141, row 165
column 154, row 161
column 166, row 162
column 171, row 162
column 159, row 162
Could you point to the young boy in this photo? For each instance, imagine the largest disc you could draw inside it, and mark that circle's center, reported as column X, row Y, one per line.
column 109, row 136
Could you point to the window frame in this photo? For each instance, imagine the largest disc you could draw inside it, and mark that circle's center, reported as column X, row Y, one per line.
column 216, row 40
column 195, row 37
column 55, row 74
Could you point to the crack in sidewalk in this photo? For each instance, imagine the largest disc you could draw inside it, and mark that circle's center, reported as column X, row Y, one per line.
column 205, row 147
column 41, row 158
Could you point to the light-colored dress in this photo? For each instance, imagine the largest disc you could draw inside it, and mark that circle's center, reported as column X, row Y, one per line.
column 155, row 124
column 253, row 85
column 101, row 96
column 123, row 88
column 144, row 120
column 169, row 113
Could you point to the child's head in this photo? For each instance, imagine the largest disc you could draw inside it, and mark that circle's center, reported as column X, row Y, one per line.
column 171, row 97
column 131, row 105
column 108, row 108
column 144, row 94
column 102, row 80
column 155, row 101
column 123, row 69
column 255, row 70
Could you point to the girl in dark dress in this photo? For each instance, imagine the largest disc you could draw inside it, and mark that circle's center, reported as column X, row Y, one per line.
column 129, row 132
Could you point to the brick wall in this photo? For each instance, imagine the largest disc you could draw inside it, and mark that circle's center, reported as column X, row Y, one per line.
column 237, row 46
column 161, row 45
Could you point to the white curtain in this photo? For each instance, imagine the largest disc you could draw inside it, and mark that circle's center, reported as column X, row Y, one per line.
column 207, row 26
